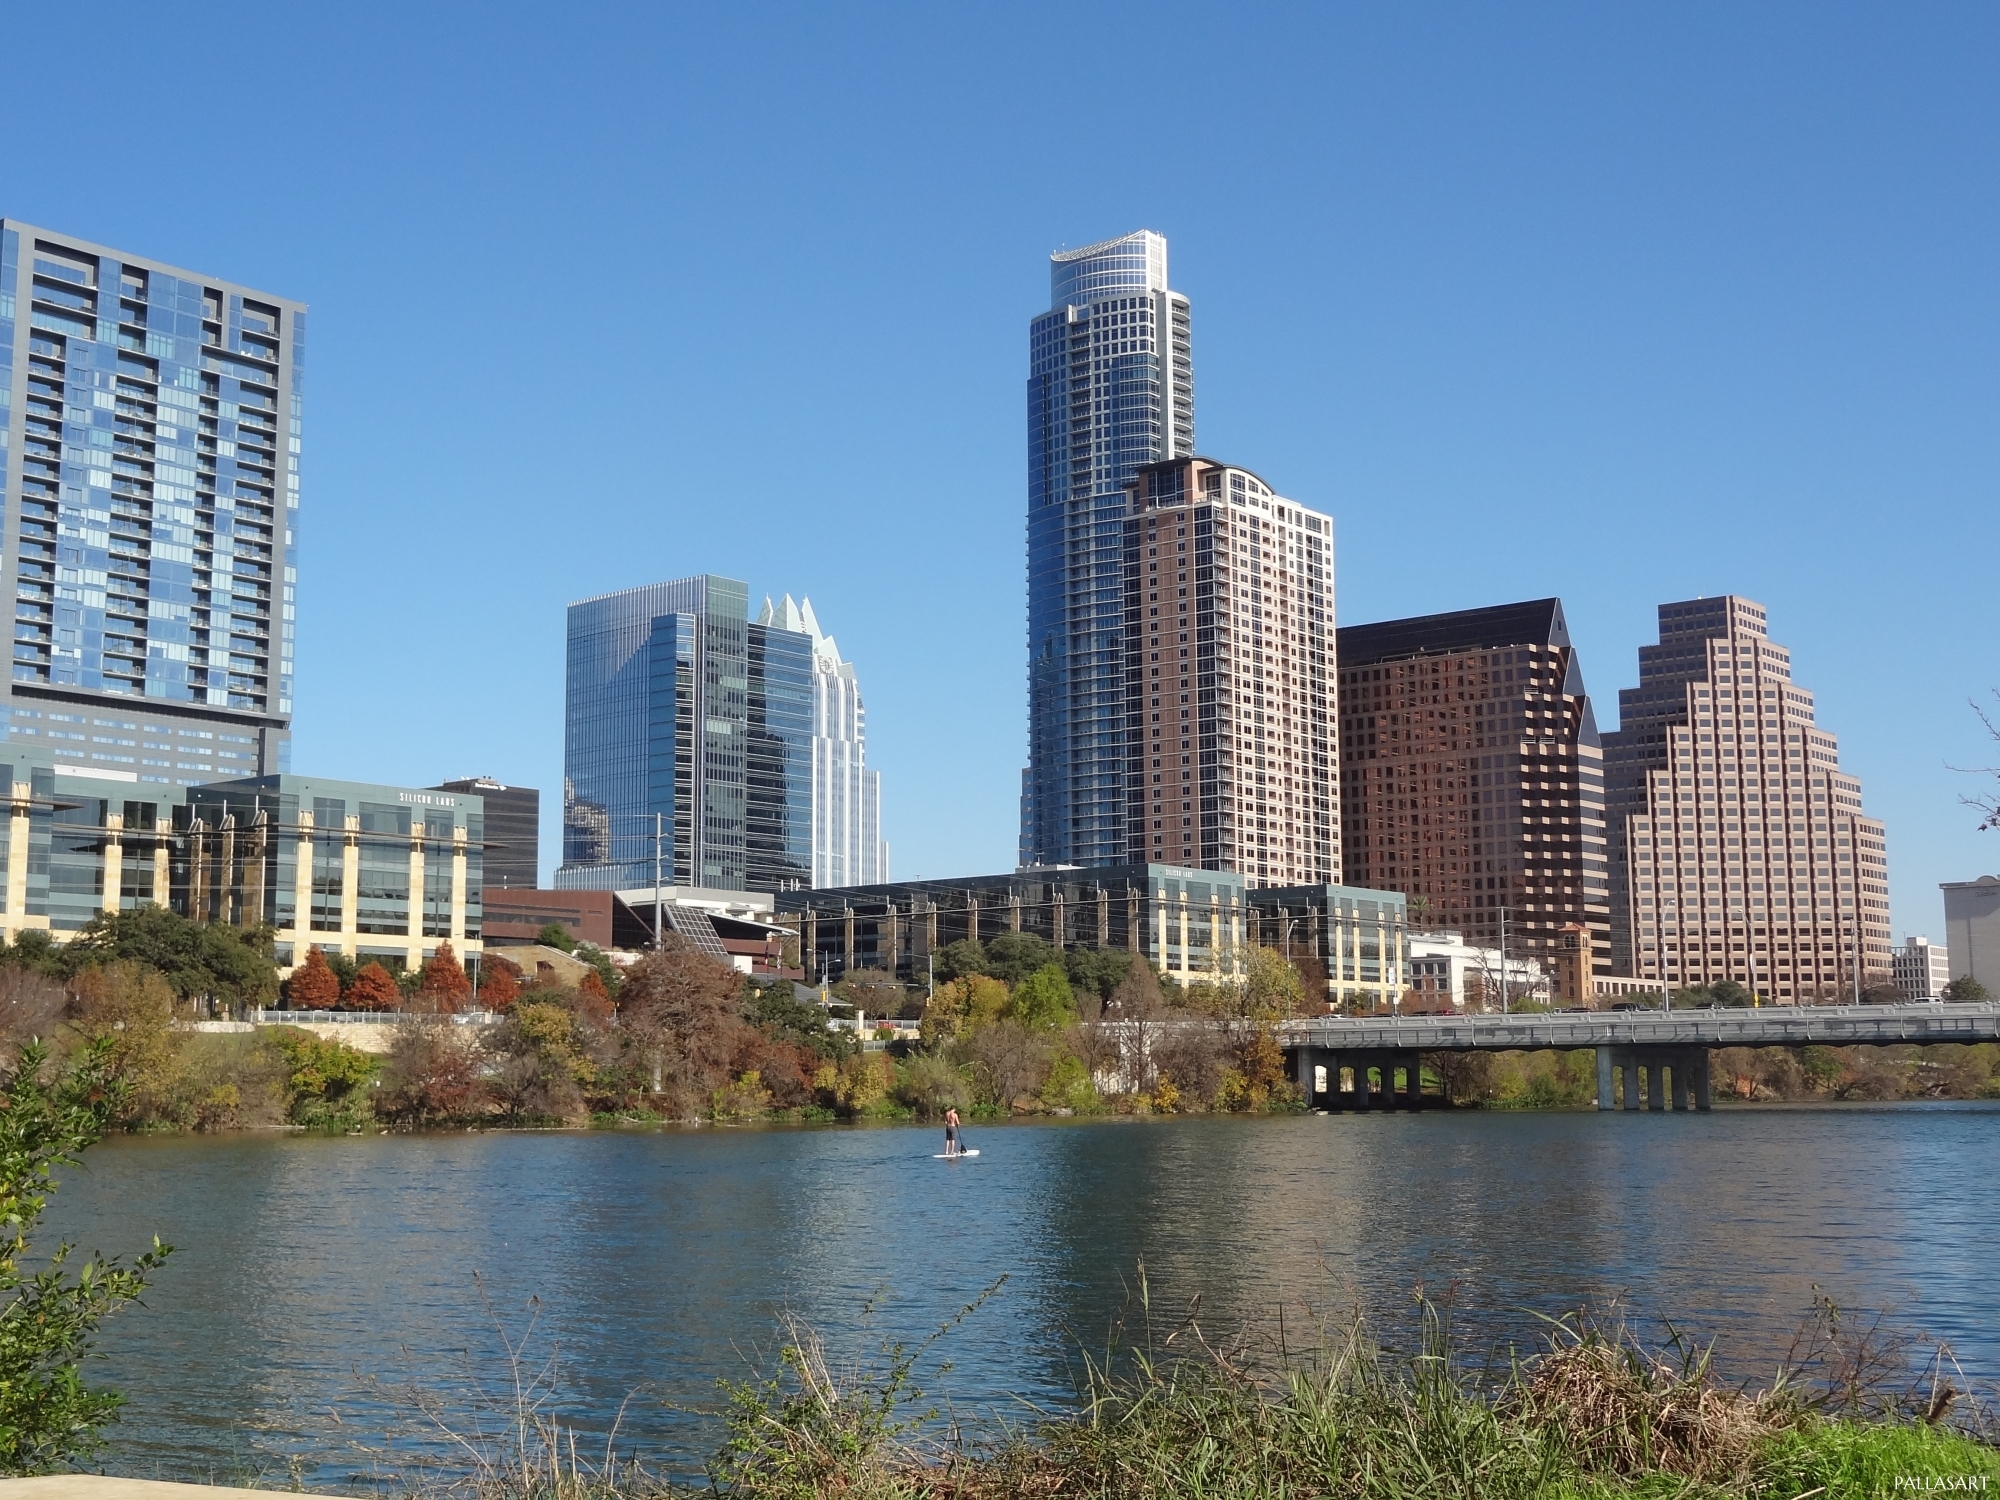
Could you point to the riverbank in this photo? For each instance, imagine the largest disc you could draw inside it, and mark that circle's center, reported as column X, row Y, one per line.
column 1594, row 1414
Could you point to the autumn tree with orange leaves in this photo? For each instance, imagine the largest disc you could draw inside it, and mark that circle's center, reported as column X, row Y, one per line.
column 313, row 985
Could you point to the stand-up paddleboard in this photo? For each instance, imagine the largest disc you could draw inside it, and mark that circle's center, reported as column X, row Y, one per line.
column 953, row 1156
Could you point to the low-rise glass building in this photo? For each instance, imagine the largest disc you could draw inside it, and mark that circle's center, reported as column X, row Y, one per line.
column 371, row 871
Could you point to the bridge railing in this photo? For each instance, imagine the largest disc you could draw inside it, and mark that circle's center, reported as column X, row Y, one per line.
column 1768, row 1026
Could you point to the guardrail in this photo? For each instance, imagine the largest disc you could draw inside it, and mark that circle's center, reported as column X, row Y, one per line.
column 265, row 1016
column 1767, row 1026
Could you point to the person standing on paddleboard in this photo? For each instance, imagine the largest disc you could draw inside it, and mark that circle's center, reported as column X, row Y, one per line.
column 951, row 1132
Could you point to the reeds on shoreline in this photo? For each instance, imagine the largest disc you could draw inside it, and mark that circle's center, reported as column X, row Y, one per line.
column 1597, row 1413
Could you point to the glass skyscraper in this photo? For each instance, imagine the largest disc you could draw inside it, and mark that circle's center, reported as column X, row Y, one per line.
column 679, row 713
column 1110, row 387
column 847, row 846
column 150, row 434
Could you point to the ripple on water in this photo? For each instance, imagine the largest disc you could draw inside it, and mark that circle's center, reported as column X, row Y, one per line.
column 317, row 1275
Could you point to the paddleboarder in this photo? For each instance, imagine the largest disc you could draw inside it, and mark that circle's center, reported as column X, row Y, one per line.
column 951, row 1132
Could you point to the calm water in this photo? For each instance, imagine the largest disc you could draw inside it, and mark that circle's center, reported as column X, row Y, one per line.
column 309, row 1269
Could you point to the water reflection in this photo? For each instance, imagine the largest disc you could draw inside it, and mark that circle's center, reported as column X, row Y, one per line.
column 309, row 1267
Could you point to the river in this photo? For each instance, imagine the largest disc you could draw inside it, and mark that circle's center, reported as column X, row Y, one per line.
column 315, row 1278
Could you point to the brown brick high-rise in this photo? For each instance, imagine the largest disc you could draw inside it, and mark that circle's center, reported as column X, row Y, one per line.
column 1472, row 778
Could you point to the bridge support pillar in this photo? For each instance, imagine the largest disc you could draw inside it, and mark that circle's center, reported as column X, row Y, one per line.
column 1413, row 1082
column 1628, row 1064
column 1604, row 1100
column 1656, row 1084
column 1304, row 1060
column 1364, row 1088
column 1678, row 1062
column 1704, row 1098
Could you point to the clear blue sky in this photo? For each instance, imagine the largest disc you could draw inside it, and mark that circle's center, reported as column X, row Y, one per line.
column 1621, row 303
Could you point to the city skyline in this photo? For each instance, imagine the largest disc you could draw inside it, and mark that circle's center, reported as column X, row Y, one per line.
column 1518, row 340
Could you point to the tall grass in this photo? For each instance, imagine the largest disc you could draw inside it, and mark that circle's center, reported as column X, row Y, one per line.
column 1170, row 1413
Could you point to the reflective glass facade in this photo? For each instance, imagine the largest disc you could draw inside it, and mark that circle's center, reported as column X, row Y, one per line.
column 778, row 850
column 1110, row 387
column 151, row 427
column 1190, row 924
column 373, row 871
column 670, row 714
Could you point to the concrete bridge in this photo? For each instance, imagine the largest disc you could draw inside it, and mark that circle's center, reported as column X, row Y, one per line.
column 1368, row 1062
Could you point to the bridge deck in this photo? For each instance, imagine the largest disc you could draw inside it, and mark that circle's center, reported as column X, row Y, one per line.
column 1768, row 1026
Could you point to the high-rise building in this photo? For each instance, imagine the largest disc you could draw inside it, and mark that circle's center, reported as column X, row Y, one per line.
column 682, row 716
column 513, row 852
column 1739, row 849
column 1110, row 387
column 1921, row 968
column 1233, row 758
column 1972, row 926
column 1473, row 778
column 847, row 846
column 150, row 476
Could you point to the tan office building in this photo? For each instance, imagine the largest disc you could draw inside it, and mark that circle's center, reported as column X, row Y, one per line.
column 1232, row 755
column 1740, row 850
column 1473, row 780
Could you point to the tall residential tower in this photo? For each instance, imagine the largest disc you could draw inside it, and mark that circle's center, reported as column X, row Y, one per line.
column 1110, row 387
column 151, row 422
column 1739, row 849
column 1233, row 756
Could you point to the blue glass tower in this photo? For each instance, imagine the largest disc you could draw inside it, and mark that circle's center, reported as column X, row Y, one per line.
column 677, row 708
column 1110, row 387
column 151, row 422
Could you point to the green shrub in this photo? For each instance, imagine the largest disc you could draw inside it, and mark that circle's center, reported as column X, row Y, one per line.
column 49, row 1418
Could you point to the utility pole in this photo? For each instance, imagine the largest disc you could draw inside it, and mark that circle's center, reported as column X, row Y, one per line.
column 1503, row 959
column 659, row 905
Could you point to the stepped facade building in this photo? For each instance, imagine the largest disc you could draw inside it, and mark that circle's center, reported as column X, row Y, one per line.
column 1739, row 848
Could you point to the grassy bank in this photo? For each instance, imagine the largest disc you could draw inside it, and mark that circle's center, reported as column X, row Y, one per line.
column 1593, row 1415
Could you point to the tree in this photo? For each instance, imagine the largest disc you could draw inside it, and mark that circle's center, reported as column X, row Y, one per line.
column 374, row 988
column 32, row 1005
column 1965, row 990
column 963, row 1006
column 326, row 1083
column 1272, row 990
column 430, row 1076
column 1044, row 1001
column 593, row 1000
column 1727, row 992
column 1988, row 808
column 499, row 981
column 1013, row 956
column 49, row 1419
column 544, row 1063
column 313, row 985
column 555, row 935
column 957, row 960
column 681, row 1009
column 128, row 1009
column 443, row 986
column 609, row 977
column 1096, row 970
column 218, row 966
column 776, row 1011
